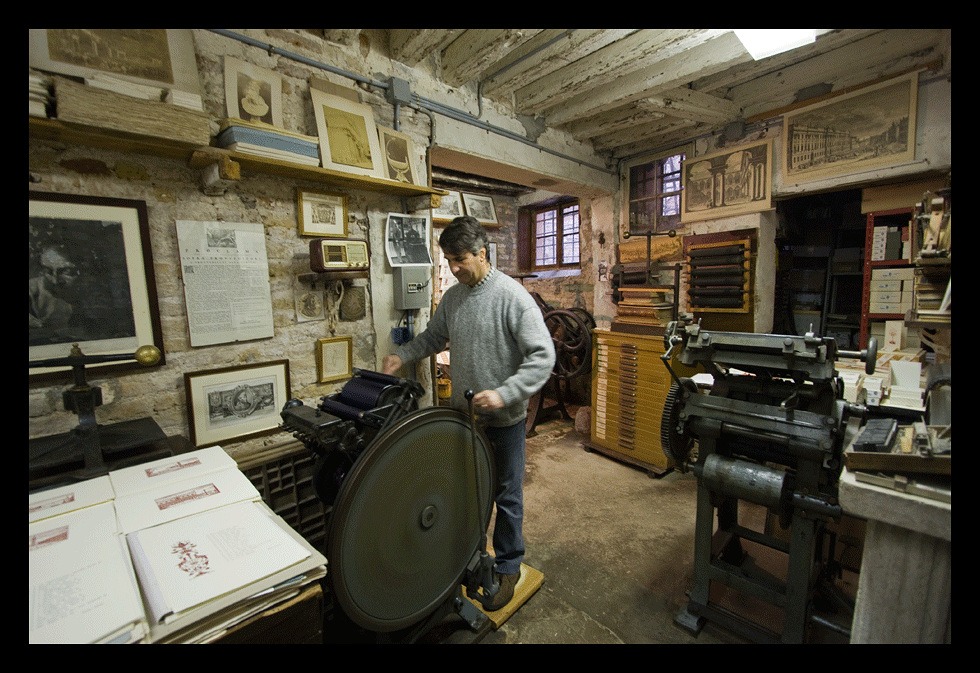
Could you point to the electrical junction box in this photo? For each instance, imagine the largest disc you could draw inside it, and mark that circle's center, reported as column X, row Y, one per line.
column 412, row 285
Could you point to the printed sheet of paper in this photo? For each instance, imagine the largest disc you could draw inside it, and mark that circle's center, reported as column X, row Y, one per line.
column 183, row 498
column 157, row 473
column 226, row 281
column 187, row 562
column 63, row 499
column 407, row 240
column 82, row 585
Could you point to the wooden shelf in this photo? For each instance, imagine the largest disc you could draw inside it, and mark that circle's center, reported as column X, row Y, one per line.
column 199, row 157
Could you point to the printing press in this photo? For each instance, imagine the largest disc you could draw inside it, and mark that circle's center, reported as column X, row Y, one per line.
column 409, row 498
column 771, row 431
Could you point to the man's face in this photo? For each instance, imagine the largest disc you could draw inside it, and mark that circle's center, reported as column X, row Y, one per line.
column 60, row 274
column 468, row 268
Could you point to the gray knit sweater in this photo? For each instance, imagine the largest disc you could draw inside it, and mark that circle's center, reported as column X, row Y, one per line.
column 498, row 341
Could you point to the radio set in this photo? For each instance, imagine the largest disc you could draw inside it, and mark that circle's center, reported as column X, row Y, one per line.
column 333, row 255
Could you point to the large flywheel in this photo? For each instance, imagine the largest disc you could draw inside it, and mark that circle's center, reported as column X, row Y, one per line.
column 408, row 518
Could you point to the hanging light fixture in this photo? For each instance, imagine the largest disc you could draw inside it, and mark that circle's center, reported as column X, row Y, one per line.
column 764, row 42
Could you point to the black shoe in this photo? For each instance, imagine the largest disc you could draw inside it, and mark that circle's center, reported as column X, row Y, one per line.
column 505, row 591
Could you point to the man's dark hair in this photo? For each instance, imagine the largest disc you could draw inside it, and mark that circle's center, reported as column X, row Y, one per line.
column 464, row 234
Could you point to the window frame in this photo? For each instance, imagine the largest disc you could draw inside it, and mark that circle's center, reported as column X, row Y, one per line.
column 560, row 208
column 630, row 223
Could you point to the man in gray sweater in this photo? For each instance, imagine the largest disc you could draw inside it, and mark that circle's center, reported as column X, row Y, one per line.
column 501, row 350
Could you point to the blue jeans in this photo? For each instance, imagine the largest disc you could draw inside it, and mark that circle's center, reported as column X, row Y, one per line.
column 508, row 537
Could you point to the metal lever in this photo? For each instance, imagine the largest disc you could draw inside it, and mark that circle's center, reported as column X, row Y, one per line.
column 481, row 566
column 869, row 355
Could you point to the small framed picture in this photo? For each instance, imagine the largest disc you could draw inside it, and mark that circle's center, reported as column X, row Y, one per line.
column 321, row 214
column 334, row 359
column 236, row 403
column 398, row 153
column 480, row 207
column 450, row 207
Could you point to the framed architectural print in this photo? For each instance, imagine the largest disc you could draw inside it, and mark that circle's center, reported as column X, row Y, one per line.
column 868, row 128
column 348, row 136
column 733, row 181
column 252, row 93
column 450, row 207
column 321, row 213
column 480, row 207
column 90, row 280
column 236, row 403
column 161, row 57
column 398, row 152
column 334, row 359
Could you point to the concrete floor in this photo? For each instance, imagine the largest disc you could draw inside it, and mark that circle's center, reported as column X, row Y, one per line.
column 615, row 546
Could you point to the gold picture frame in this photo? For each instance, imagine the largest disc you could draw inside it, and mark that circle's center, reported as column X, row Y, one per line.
column 450, row 207
column 349, row 140
column 321, row 213
column 334, row 359
column 480, row 207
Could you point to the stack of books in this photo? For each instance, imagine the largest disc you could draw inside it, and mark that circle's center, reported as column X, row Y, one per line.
column 643, row 310
column 175, row 550
column 38, row 93
column 268, row 141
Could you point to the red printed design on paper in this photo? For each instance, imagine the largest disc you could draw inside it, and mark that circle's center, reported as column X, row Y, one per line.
column 189, row 560
column 172, row 467
column 196, row 493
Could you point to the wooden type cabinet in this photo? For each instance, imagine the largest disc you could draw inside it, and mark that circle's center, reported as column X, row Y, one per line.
column 629, row 387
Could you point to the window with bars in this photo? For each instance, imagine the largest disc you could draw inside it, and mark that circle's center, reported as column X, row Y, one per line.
column 555, row 236
column 655, row 194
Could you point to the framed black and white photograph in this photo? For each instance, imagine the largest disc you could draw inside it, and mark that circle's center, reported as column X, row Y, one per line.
column 334, row 359
column 321, row 213
column 253, row 93
column 868, row 128
column 450, row 207
column 90, row 280
column 236, row 403
column 481, row 208
column 407, row 240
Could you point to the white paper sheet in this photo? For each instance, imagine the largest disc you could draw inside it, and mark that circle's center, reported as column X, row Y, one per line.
column 193, row 560
column 157, row 473
column 63, row 499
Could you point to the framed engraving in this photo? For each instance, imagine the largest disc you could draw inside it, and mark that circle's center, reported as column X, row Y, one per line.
column 450, row 207
column 733, row 181
column 334, row 359
column 480, row 207
column 868, row 128
column 236, row 403
column 321, row 214
column 90, row 280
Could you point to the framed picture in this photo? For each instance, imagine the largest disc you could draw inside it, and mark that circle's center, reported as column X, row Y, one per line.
column 733, row 181
column 868, row 128
column 321, row 214
column 150, row 56
column 348, row 136
column 236, row 403
column 90, row 280
column 480, row 207
column 398, row 153
column 334, row 359
column 450, row 207
column 253, row 93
